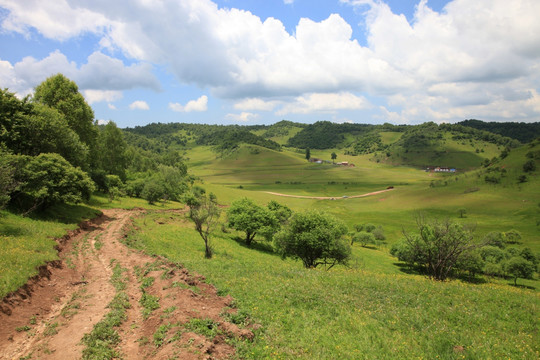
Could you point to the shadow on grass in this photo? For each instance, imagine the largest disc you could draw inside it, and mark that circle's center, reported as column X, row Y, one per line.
column 263, row 247
column 418, row 270
column 9, row 230
column 520, row 286
column 66, row 213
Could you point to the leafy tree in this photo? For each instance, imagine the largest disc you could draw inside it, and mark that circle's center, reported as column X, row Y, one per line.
column 63, row 95
column 173, row 181
column 462, row 212
column 245, row 215
column 512, row 236
column 204, row 213
column 50, row 179
column 314, row 237
column 280, row 211
column 364, row 238
column 308, row 154
column 518, row 267
column 153, row 191
column 112, row 151
column 438, row 246
column 7, row 178
column 472, row 262
column 529, row 166
column 334, row 156
column 378, row 233
column 32, row 129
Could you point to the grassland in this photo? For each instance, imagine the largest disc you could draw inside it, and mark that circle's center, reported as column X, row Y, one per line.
column 366, row 311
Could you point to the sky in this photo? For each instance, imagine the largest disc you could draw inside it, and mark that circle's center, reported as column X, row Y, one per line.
column 261, row 61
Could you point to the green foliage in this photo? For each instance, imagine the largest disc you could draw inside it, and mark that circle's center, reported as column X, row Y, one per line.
column 529, row 166
column 314, row 237
column 244, row 215
column 437, row 248
column 462, row 212
column 308, row 154
column 204, row 213
column 518, row 267
column 368, row 144
column 280, row 211
column 32, row 129
column 62, row 94
column 325, row 135
column 524, row 132
column 7, row 178
column 364, row 238
column 50, row 179
column 153, row 191
column 112, row 151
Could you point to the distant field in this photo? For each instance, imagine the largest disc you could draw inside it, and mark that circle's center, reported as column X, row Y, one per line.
column 489, row 207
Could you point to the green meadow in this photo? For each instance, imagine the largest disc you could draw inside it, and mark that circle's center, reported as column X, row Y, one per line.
column 369, row 310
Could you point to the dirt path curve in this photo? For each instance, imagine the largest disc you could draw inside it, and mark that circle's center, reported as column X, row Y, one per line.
column 330, row 197
column 48, row 317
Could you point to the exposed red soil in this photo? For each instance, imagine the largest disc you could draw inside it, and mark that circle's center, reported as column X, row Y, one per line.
column 48, row 317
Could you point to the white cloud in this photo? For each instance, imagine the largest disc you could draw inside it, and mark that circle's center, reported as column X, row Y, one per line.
column 103, row 122
column 242, row 117
column 111, row 106
column 201, row 104
column 93, row 96
column 139, row 105
column 288, row 2
column 328, row 103
column 255, row 104
column 468, row 57
column 101, row 72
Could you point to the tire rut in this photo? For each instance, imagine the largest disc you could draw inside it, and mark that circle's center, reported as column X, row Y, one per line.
column 50, row 320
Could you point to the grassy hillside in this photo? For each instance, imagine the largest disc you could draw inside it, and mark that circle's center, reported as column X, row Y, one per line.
column 367, row 311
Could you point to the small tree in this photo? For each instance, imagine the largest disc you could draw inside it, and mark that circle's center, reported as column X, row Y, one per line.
column 308, row 154
column 334, row 156
column 518, row 267
column 153, row 191
column 462, row 212
column 245, row 215
column 315, row 238
column 438, row 246
column 204, row 213
column 529, row 166
column 364, row 238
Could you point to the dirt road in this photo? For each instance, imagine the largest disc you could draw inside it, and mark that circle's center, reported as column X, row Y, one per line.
column 48, row 318
column 329, row 197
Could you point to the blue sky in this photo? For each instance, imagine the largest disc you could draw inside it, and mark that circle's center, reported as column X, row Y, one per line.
column 258, row 62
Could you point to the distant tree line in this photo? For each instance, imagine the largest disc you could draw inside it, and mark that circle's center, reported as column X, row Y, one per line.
column 523, row 132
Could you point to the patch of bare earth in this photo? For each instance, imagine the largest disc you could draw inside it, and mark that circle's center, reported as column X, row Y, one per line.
column 48, row 317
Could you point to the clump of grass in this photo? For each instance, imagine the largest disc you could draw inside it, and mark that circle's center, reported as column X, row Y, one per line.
column 22, row 328
column 51, row 329
column 147, row 282
column 149, row 304
column 205, row 327
column 161, row 333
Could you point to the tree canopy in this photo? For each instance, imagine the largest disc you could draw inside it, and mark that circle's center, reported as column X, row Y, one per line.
column 314, row 237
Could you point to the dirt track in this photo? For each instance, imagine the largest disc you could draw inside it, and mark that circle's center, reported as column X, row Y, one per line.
column 329, row 197
column 48, row 317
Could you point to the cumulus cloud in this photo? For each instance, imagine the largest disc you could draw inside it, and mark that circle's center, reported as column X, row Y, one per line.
column 103, row 122
column 328, row 103
column 255, row 104
column 435, row 62
column 139, row 105
column 111, row 106
column 242, row 117
column 101, row 72
column 201, row 104
column 93, row 96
